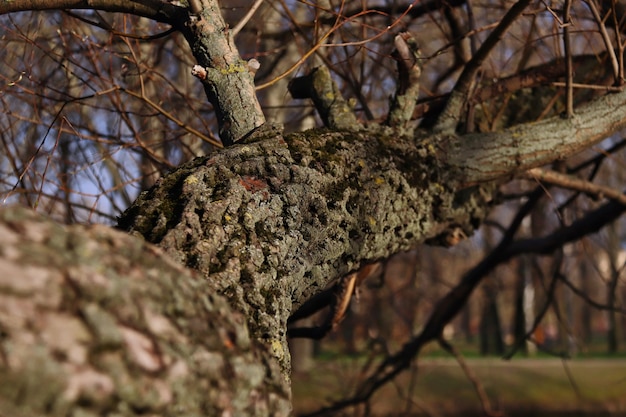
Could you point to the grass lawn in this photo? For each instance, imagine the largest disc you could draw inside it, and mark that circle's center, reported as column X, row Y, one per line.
column 438, row 386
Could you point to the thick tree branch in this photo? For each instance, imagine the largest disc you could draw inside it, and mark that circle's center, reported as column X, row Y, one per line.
column 309, row 208
column 275, row 220
column 569, row 65
column 96, row 322
column 485, row 157
column 228, row 83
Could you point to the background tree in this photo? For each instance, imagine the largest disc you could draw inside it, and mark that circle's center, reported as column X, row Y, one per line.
column 266, row 224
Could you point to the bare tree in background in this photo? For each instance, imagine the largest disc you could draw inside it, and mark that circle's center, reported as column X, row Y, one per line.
column 428, row 108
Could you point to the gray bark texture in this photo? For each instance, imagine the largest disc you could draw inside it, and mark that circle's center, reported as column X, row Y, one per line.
column 94, row 322
column 275, row 220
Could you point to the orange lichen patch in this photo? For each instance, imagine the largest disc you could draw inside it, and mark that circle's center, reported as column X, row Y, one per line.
column 252, row 184
column 228, row 344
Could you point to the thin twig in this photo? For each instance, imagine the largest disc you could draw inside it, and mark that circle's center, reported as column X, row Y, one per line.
column 471, row 22
column 569, row 66
column 478, row 386
column 605, row 37
column 620, row 44
column 606, row 88
column 571, row 379
column 322, row 43
column 171, row 117
column 109, row 28
column 246, row 18
column 303, row 58
column 571, row 183
column 587, row 299
column 451, row 304
column 451, row 115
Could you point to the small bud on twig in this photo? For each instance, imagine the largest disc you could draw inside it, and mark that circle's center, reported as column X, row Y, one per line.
column 253, row 66
column 199, row 71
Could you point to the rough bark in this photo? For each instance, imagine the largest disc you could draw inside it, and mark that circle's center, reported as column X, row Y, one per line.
column 96, row 322
column 489, row 156
column 273, row 221
column 228, row 82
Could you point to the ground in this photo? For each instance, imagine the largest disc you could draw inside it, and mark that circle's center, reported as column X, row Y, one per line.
column 529, row 387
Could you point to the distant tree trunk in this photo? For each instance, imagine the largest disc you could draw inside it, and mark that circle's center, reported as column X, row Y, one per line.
column 348, row 333
column 583, row 278
column 490, row 330
column 520, row 324
column 567, row 326
column 621, row 318
column 466, row 324
column 613, row 320
column 491, row 342
column 381, row 314
column 614, row 268
column 302, row 350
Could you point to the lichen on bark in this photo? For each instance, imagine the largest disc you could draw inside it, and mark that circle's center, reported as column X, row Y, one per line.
column 96, row 322
column 270, row 223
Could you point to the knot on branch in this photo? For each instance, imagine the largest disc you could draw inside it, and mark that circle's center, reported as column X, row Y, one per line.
column 409, row 71
column 334, row 110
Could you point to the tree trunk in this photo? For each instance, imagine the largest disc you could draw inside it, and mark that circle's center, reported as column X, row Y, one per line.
column 491, row 341
column 96, row 322
column 585, row 315
column 614, row 270
column 302, row 350
column 520, row 325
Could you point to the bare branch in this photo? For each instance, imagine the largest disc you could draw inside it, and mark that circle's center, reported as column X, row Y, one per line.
column 478, row 386
column 449, row 306
column 330, row 104
column 247, row 17
column 485, row 157
column 173, row 118
column 566, row 181
column 605, row 36
column 229, row 85
column 409, row 71
column 449, row 118
column 569, row 66
column 541, row 312
column 160, row 11
column 605, row 88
